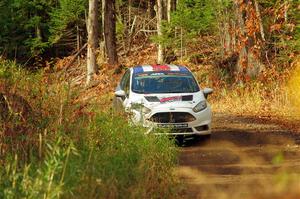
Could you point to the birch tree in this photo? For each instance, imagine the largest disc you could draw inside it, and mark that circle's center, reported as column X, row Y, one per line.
column 161, row 15
column 171, row 6
column 92, row 29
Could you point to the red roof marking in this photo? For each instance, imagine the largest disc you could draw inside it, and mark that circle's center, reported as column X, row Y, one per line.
column 161, row 68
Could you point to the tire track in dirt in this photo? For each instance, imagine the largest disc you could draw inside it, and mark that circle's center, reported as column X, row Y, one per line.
column 246, row 157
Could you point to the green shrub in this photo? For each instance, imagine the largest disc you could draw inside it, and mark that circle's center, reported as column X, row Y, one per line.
column 109, row 159
column 123, row 162
column 76, row 151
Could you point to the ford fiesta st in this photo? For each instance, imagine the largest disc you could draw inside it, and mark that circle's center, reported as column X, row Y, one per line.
column 165, row 96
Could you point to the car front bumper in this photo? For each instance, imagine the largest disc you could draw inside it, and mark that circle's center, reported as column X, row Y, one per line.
column 200, row 126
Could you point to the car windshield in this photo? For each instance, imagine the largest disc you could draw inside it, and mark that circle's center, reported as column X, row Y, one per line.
column 164, row 82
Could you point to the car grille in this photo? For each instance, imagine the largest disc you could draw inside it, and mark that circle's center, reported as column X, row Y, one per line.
column 156, row 99
column 172, row 117
column 183, row 130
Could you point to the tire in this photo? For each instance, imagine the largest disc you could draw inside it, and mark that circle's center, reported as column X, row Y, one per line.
column 203, row 138
column 179, row 140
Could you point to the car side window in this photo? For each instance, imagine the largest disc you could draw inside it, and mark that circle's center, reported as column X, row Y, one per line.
column 127, row 85
column 124, row 79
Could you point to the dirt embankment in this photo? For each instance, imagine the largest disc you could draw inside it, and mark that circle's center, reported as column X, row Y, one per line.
column 246, row 158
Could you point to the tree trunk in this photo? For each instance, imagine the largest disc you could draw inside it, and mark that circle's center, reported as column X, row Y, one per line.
column 38, row 32
column 151, row 10
column 174, row 5
column 129, row 12
column 110, row 31
column 171, row 6
column 129, row 25
column 169, row 10
column 233, row 35
column 249, row 64
column 227, row 36
column 286, row 7
column 161, row 15
column 102, row 43
column 243, row 52
column 92, row 40
column 78, row 40
column 261, row 27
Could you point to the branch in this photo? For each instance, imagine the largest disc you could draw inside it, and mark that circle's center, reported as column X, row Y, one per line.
column 75, row 56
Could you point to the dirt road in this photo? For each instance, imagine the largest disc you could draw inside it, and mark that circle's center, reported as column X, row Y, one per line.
column 246, row 158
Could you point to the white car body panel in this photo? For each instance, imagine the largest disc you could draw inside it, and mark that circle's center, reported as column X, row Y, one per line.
column 168, row 103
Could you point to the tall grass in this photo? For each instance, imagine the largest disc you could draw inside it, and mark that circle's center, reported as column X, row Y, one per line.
column 74, row 150
column 294, row 87
column 256, row 98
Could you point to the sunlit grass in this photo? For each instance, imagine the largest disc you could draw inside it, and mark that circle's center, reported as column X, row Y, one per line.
column 256, row 98
column 294, row 87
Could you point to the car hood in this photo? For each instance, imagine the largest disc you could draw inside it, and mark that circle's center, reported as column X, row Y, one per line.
column 172, row 100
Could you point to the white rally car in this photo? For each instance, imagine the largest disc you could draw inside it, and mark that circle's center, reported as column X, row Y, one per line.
column 166, row 96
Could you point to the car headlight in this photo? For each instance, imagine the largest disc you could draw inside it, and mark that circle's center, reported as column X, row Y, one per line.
column 200, row 106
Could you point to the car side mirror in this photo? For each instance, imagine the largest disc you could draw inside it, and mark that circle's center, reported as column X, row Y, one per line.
column 207, row 91
column 120, row 93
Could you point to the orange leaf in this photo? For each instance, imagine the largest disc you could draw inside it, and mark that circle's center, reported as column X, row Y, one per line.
column 275, row 27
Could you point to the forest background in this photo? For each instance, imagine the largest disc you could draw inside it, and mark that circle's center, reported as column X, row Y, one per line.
column 60, row 60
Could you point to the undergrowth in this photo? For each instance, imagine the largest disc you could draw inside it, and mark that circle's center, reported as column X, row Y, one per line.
column 293, row 87
column 271, row 93
column 59, row 148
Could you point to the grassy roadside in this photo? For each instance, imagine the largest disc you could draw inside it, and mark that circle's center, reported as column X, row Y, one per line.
column 52, row 146
column 272, row 95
